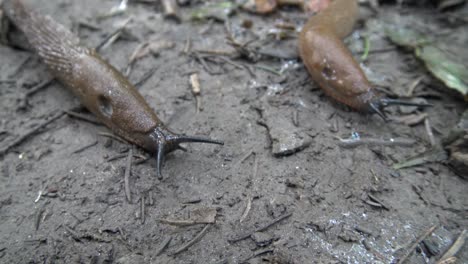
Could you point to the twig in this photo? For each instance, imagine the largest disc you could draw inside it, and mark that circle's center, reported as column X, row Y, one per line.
column 111, row 38
column 171, row 9
column 20, row 139
column 268, row 69
column 116, row 10
column 244, row 157
column 427, row 125
column 42, row 85
column 247, row 209
column 249, row 197
column 120, row 156
column 83, row 117
column 416, row 243
column 205, row 66
column 193, row 241
column 85, row 147
column 146, row 77
column 372, row 197
column 456, row 246
column 196, row 90
column 215, row 52
column 413, row 85
column 142, row 208
column 127, row 175
column 109, row 135
column 163, row 246
column 260, row 229
column 295, row 118
column 451, row 260
column 355, row 142
column 263, row 252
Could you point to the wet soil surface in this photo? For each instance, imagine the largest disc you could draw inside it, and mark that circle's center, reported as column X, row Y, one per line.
column 282, row 189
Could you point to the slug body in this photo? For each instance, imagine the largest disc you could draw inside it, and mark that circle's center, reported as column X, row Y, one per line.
column 332, row 65
column 100, row 87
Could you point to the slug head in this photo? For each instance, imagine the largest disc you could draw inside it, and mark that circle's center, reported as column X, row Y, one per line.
column 167, row 141
column 378, row 105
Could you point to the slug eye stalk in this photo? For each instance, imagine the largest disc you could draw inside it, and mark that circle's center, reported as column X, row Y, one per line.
column 168, row 141
column 378, row 106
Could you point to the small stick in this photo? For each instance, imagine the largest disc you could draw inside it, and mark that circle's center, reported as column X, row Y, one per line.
column 142, row 208
column 193, row 241
column 215, row 52
column 150, row 198
column 196, row 90
column 83, row 117
column 171, row 9
column 416, row 243
column 187, row 46
column 247, row 210
column 127, row 175
column 164, row 245
column 372, row 197
column 457, row 245
column 295, row 118
column 182, row 222
column 72, row 232
column 263, row 252
column 229, row 61
column 205, row 66
column 246, row 156
column 85, row 147
column 109, row 135
column 20, row 139
column 109, row 40
column 260, row 229
column 146, row 77
column 268, row 69
column 413, row 85
column 354, row 142
column 116, row 10
column 429, row 132
column 120, row 156
column 249, row 198
column 42, row 85
column 20, row 67
column 450, row 260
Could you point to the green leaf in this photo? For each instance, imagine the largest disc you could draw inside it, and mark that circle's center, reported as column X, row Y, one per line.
column 451, row 73
column 404, row 36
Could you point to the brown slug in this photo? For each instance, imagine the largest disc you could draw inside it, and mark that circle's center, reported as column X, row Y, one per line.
column 100, row 87
column 332, row 65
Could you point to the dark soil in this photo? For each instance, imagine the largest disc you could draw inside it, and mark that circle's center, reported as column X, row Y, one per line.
column 281, row 155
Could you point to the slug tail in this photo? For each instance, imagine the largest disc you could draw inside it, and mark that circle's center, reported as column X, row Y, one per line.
column 54, row 43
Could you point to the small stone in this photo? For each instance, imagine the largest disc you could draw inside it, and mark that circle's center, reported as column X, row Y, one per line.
column 262, row 239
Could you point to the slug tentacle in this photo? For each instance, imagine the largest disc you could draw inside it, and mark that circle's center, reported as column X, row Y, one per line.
column 378, row 105
column 168, row 141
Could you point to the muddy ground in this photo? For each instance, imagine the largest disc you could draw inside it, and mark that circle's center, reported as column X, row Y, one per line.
column 336, row 205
